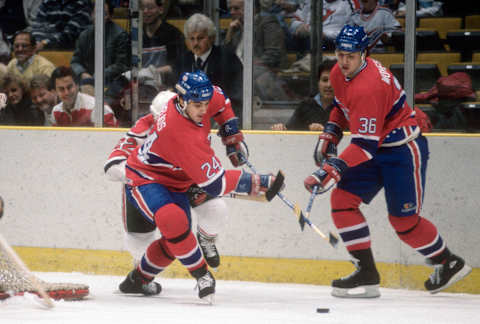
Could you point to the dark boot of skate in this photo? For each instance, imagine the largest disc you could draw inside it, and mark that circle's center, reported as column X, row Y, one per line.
column 445, row 274
column 205, row 284
column 210, row 252
column 365, row 278
column 135, row 283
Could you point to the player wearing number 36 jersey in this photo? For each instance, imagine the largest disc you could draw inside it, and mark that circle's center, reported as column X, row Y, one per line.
column 386, row 151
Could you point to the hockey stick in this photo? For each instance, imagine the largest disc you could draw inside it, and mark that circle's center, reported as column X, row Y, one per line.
column 294, row 206
column 247, row 197
column 46, row 300
column 331, row 239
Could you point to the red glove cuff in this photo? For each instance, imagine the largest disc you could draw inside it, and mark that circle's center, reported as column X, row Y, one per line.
column 232, row 139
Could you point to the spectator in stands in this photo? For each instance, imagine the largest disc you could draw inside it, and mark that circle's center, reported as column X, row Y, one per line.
column 269, row 54
column 59, row 23
column 26, row 63
column 17, row 15
column 377, row 21
column 75, row 108
column 163, row 43
column 43, row 97
column 425, row 8
column 221, row 65
column 4, row 50
column 234, row 37
column 313, row 112
column 116, row 56
column 335, row 14
column 19, row 109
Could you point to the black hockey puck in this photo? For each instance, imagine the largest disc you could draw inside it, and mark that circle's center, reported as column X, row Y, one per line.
column 323, row 310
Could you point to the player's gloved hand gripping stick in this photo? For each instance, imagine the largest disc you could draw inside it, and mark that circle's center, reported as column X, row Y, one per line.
column 333, row 240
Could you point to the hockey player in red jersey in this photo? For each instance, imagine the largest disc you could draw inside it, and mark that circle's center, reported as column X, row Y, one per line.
column 211, row 211
column 139, row 233
column 174, row 156
column 386, row 151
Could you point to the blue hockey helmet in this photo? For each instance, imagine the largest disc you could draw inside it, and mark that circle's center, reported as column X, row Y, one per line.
column 194, row 86
column 352, row 39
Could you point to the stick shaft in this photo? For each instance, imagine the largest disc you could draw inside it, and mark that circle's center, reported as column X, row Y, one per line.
column 246, row 197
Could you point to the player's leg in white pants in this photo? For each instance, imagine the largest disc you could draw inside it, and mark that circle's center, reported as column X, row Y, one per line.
column 211, row 217
column 137, row 243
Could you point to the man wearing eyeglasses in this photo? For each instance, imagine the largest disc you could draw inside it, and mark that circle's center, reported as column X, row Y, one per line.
column 26, row 63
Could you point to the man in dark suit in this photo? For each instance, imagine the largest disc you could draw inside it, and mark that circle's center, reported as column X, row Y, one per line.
column 222, row 66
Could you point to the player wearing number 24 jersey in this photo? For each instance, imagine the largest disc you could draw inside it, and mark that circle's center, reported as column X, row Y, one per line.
column 166, row 156
column 175, row 155
column 387, row 150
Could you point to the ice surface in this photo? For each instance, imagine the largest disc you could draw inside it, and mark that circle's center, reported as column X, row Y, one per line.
column 238, row 302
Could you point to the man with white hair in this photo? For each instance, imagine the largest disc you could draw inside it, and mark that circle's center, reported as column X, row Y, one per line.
column 221, row 65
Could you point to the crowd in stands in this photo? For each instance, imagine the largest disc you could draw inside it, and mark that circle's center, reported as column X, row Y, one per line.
column 39, row 90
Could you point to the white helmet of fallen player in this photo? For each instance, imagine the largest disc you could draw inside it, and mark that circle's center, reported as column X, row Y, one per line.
column 160, row 102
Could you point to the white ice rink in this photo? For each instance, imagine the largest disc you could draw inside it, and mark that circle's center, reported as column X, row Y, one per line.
column 238, row 302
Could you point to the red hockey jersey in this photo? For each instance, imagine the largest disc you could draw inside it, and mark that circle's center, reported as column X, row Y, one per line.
column 177, row 153
column 372, row 105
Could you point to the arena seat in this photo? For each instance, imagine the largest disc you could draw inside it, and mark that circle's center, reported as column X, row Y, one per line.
column 472, row 22
column 58, row 58
column 388, row 59
column 122, row 22
column 476, row 57
column 426, row 40
column 441, row 24
column 442, row 59
column 470, row 68
column 426, row 74
column 465, row 41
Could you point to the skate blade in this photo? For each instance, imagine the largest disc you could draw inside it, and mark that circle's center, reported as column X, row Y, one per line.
column 209, row 299
column 371, row 291
column 465, row 271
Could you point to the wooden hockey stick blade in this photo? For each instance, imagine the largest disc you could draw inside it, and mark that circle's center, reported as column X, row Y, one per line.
column 276, row 186
column 261, row 198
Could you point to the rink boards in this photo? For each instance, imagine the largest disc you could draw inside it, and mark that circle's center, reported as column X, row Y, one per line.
column 64, row 215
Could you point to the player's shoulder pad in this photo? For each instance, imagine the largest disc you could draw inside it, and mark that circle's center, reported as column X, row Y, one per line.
column 218, row 90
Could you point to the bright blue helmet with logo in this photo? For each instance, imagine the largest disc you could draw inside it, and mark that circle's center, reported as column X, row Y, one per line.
column 194, row 86
column 352, row 39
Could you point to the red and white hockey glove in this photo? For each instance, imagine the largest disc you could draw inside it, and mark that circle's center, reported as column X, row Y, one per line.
column 327, row 176
column 232, row 138
column 327, row 143
column 254, row 184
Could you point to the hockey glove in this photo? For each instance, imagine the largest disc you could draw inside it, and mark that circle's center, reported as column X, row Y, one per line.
column 327, row 176
column 232, row 138
column 327, row 143
column 254, row 184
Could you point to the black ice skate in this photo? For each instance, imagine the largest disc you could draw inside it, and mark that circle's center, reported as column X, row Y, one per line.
column 135, row 283
column 363, row 283
column 206, row 287
column 446, row 274
column 210, row 252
